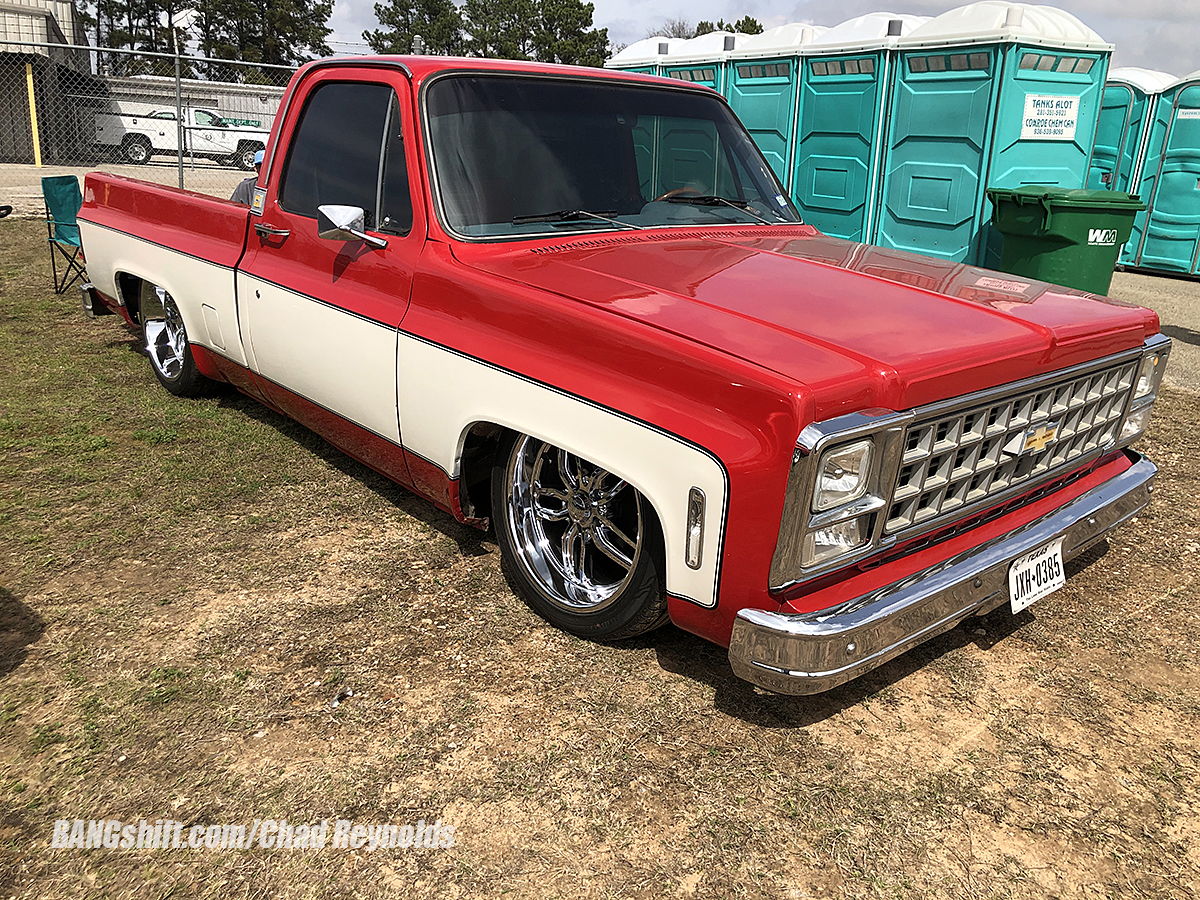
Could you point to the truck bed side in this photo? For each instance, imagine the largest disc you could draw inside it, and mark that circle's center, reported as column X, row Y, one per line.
column 187, row 243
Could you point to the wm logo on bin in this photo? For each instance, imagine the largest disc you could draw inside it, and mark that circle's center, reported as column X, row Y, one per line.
column 1102, row 237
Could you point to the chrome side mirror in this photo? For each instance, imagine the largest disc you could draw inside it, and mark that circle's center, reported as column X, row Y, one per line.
column 345, row 223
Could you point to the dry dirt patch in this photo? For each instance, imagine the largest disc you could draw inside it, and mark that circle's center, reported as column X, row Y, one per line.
column 186, row 587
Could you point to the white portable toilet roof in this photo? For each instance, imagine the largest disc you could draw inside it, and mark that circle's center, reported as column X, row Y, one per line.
column 783, row 40
column 711, row 47
column 1148, row 81
column 647, row 52
column 1000, row 21
column 870, row 32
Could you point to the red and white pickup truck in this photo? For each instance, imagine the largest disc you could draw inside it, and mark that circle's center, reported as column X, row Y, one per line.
column 577, row 304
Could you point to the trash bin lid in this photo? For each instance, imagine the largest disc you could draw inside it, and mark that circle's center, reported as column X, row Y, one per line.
column 1057, row 196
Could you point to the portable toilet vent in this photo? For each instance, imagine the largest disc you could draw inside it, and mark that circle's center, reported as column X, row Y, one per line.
column 993, row 94
column 644, row 56
column 764, row 90
column 1129, row 98
column 844, row 91
column 702, row 60
column 1166, row 237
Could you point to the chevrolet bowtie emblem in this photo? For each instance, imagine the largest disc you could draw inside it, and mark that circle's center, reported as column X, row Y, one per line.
column 1036, row 439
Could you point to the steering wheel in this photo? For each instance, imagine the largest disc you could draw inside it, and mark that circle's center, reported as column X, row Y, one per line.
column 678, row 192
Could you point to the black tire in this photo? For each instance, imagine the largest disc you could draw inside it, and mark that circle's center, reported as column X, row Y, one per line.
column 612, row 588
column 167, row 344
column 244, row 158
column 136, row 150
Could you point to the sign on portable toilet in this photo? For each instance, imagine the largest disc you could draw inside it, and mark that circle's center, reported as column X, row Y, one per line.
column 702, row 59
column 763, row 90
column 844, row 91
column 644, row 56
column 1129, row 98
column 1167, row 235
column 993, row 94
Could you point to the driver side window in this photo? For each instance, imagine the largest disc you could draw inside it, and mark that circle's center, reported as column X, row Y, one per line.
column 348, row 150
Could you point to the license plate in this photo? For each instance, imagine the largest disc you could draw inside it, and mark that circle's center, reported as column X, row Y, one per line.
column 1035, row 575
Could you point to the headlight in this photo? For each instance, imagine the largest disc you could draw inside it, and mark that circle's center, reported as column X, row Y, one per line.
column 1135, row 423
column 843, row 475
column 1145, row 389
column 821, row 544
column 1149, row 375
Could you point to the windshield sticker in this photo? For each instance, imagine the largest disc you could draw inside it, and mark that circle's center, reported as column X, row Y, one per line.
column 999, row 284
column 260, row 197
column 779, row 199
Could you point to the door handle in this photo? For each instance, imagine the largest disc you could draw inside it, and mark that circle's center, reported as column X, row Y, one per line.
column 270, row 230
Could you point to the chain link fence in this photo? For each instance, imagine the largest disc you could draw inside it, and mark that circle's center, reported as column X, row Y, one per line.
column 187, row 121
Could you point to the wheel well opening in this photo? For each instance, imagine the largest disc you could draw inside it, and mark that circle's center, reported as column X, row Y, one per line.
column 130, row 289
column 480, row 446
column 475, row 468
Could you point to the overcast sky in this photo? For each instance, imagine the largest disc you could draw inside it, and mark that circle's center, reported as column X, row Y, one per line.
column 1155, row 34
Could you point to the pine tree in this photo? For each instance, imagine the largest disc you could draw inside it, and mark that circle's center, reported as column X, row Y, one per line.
column 500, row 29
column 437, row 21
column 565, row 34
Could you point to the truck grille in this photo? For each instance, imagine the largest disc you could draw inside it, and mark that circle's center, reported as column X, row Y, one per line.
column 956, row 458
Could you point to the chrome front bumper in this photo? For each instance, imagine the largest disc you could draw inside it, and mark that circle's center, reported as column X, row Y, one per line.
column 813, row 652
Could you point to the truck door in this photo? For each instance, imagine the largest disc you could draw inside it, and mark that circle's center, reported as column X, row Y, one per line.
column 204, row 135
column 319, row 317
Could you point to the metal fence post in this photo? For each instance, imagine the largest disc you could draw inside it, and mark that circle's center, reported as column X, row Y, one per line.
column 33, row 122
column 178, row 113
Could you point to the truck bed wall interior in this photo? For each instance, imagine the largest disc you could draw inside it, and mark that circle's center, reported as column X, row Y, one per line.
column 763, row 89
column 844, row 90
column 961, row 95
column 1166, row 237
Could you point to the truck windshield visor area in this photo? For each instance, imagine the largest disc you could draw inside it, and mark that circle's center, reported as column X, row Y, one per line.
column 508, row 150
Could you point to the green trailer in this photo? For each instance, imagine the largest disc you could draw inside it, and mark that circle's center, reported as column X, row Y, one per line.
column 842, row 101
column 993, row 94
column 763, row 89
column 1166, row 238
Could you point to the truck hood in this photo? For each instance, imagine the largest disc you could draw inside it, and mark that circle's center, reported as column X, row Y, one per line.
column 860, row 326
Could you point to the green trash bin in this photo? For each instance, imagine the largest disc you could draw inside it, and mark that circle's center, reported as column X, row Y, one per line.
column 1064, row 236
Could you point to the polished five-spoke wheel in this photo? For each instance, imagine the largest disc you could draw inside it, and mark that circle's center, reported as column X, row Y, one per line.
column 167, row 344
column 579, row 541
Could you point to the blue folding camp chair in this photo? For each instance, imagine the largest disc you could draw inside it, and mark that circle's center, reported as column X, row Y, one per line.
column 61, row 193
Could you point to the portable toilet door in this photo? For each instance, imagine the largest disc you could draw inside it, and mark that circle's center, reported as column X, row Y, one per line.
column 993, row 94
column 1129, row 98
column 643, row 56
column 844, row 89
column 764, row 90
column 1169, row 239
column 702, row 60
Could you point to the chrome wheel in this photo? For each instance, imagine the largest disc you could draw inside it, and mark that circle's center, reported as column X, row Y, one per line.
column 166, row 339
column 577, row 530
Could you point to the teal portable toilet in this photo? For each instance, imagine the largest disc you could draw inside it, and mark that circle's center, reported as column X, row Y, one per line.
column 763, row 90
column 844, row 90
column 993, row 94
column 703, row 59
column 644, row 56
column 1166, row 237
column 1129, row 98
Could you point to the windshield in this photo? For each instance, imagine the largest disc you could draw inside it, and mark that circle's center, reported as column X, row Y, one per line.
column 516, row 156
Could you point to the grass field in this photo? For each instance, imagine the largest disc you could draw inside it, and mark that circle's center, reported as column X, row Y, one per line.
column 187, row 587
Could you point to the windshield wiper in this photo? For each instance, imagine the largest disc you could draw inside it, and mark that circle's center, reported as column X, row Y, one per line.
column 575, row 215
column 714, row 200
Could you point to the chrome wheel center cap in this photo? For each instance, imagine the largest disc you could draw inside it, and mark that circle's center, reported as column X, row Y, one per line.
column 580, row 508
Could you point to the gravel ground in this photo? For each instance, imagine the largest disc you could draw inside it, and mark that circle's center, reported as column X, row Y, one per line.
column 1177, row 302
